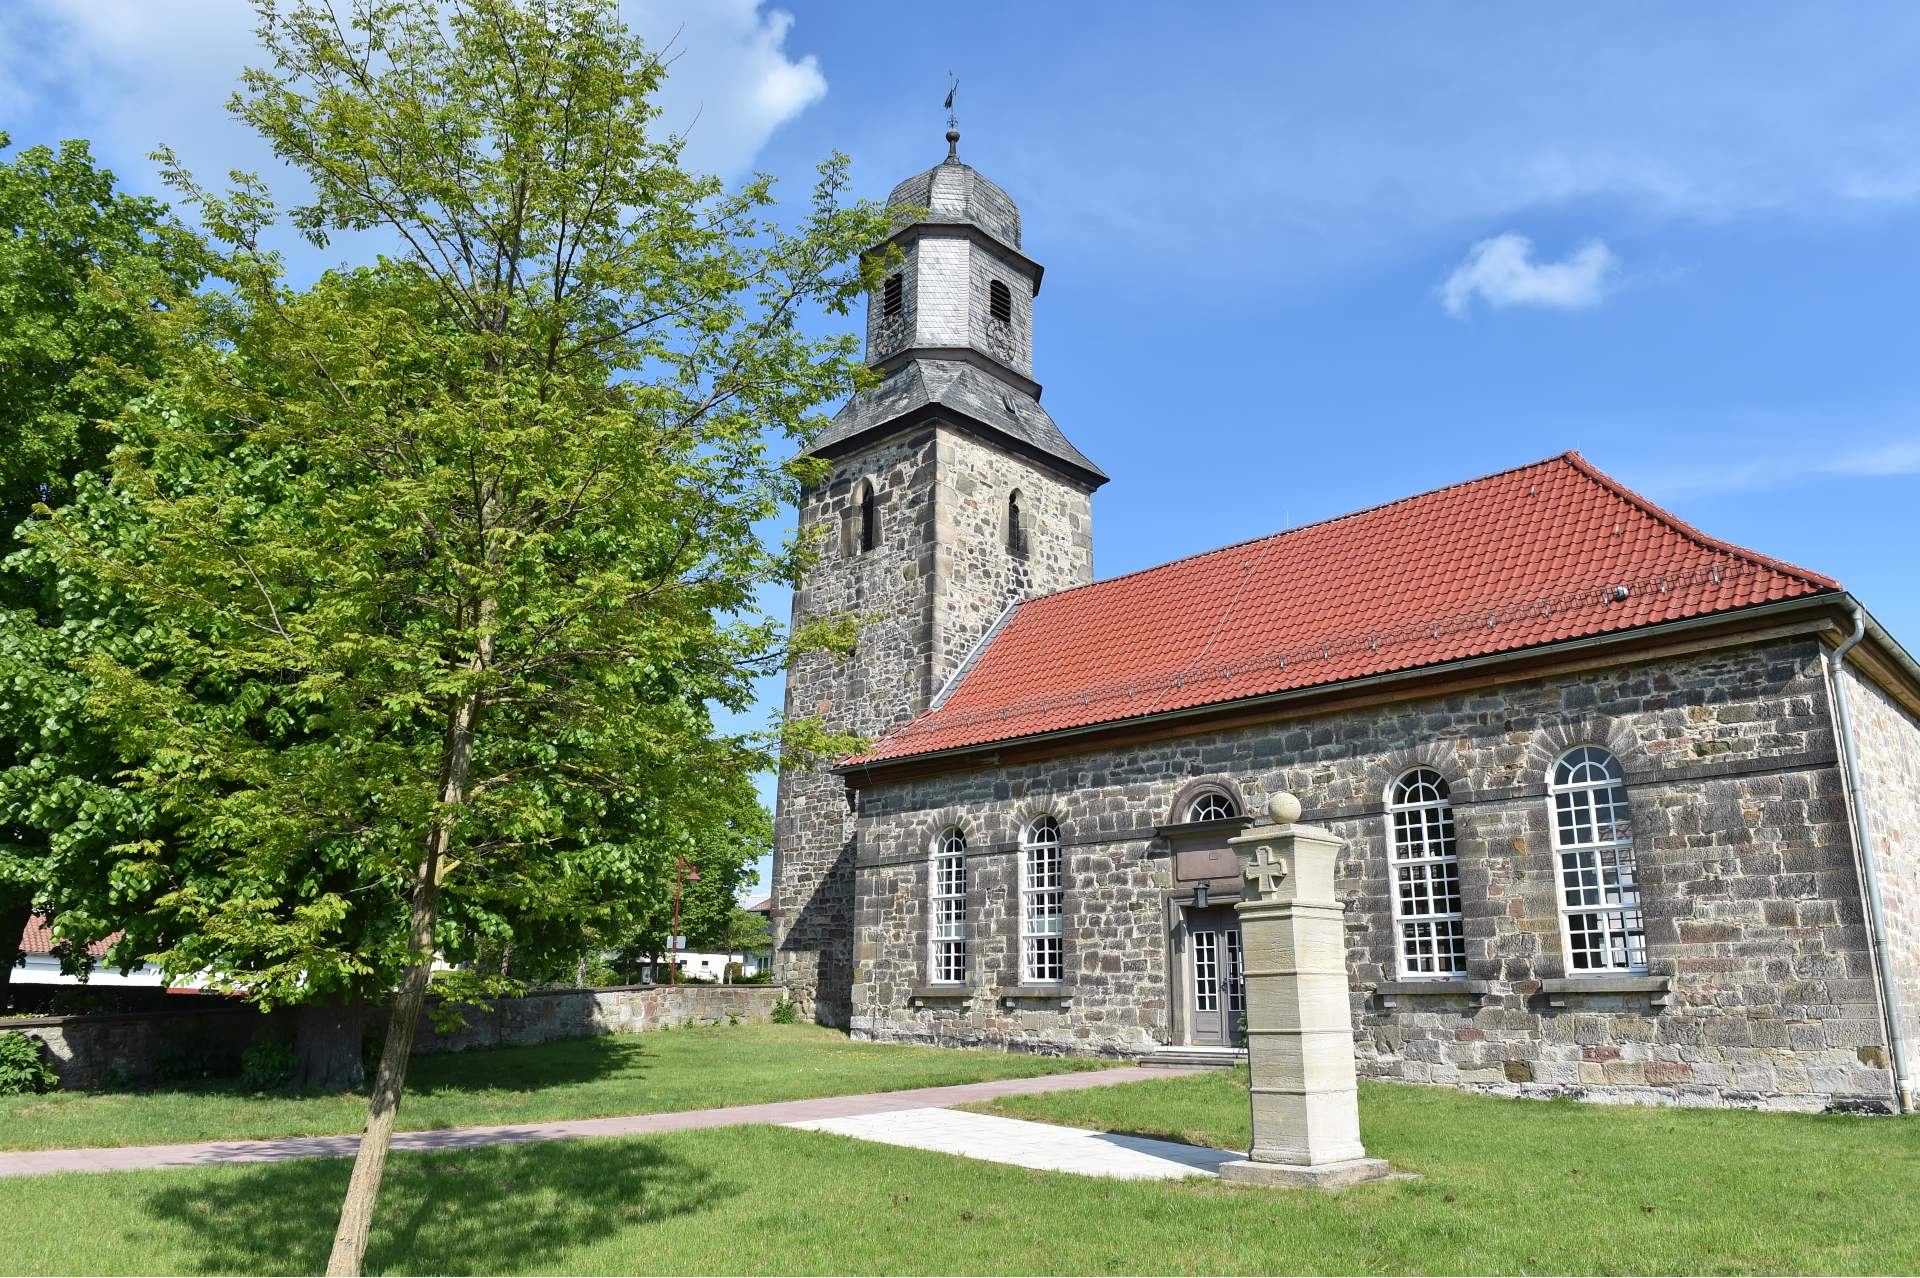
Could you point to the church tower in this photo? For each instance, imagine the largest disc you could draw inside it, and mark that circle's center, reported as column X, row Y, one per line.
column 952, row 495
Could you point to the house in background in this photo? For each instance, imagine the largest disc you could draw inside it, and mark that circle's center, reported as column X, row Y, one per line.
column 711, row 965
column 42, row 966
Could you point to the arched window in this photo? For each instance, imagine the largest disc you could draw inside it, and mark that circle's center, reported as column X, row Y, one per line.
column 1016, row 525
column 999, row 302
column 1426, row 877
column 1593, row 840
column 1042, row 893
column 1212, row 805
column 890, row 296
column 866, row 519
column 950, row 907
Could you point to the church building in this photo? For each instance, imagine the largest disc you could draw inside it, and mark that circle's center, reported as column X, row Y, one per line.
column 1630, row 813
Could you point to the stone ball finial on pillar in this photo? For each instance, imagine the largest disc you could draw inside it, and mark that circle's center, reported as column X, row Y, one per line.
column 1283, row 807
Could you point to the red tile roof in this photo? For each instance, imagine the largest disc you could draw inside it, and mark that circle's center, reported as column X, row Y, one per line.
column 38, row 939
column 1526, row 557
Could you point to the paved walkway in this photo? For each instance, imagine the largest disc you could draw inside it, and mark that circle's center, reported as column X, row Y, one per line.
column 214, row 1153
column 1043, row 1146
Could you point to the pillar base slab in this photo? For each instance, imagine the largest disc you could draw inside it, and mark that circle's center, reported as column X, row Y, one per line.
column 1353, row 1171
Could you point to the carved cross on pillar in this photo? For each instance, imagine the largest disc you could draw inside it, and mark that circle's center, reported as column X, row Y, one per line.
column 1265, row 868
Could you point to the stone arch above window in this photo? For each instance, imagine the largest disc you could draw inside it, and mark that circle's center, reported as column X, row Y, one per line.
column 1434, row 757
column 1206, row 799
column 1553, row 740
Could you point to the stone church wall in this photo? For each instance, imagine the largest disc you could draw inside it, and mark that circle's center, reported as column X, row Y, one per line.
column 939, row 577
column 885, row 680
column 1887, row 743
column 1754, row 912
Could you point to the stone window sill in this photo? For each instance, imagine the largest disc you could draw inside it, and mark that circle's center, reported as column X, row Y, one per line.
column 1017, row 993
column 1391, row 992
column 1559, row 989
column 940, row 993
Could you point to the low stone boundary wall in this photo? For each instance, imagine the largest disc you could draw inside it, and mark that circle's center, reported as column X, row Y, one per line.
column 626, row 1009
column 137, row 1047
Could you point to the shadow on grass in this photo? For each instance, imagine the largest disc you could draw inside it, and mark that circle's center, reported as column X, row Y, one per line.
column 494, row 1210
column 554, row 1064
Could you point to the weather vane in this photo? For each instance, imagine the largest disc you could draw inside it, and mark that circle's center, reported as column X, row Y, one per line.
column 953, row 121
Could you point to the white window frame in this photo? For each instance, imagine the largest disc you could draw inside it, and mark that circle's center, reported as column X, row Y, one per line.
column 947, row 909
column 1212, row 797
column 1043, row 889
column 1423, row 851
column 1590, row 814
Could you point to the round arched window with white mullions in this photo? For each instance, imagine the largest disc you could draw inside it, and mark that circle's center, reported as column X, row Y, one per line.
column 1426, row 877
column 949, row 902
column 1212, row 805
column 1600, row 914
column 1042, row 896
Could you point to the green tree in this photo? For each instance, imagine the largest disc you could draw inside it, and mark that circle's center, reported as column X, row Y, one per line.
column 82, row 266
column 443, row 561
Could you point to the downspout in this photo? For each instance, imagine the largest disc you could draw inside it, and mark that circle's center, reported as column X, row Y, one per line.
column 1863, row 840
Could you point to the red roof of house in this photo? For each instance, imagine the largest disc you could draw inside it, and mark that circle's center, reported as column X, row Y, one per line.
column 38, row 938
column 1529, row 556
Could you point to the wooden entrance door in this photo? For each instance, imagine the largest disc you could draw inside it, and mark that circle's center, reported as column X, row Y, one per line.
column 1216, row 988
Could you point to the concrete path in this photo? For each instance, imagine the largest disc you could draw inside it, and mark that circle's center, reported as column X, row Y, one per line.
column 1042, row 1146
column 215, row 1153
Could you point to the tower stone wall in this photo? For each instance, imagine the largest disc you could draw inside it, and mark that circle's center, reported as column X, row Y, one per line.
column 978, row 502
column 940, row 573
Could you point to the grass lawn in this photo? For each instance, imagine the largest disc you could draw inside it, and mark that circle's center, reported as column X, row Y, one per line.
column 1511, row 1186
column 666, row 1070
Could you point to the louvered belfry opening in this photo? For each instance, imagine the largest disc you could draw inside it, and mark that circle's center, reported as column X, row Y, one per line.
column 1000, row 302
column 891, row 298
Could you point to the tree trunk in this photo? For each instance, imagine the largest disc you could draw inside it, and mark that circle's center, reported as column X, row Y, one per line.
column 370, row 1164
column 326, row 1039
column 16, row 908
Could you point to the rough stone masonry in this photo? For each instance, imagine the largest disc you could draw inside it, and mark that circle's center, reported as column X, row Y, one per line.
column 952, row 495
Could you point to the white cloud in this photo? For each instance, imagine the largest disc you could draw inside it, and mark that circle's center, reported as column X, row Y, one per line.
column 132, row 74
column 732, row 82
column 1502, row 272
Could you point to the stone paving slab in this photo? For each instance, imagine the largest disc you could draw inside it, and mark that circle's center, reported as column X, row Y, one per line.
column 216, row 1153
column 1042, row 1146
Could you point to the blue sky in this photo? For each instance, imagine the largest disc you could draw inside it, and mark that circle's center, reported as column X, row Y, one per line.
column 1306, row 258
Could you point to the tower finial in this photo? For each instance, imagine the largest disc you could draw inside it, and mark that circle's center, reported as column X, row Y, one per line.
column 953, row 121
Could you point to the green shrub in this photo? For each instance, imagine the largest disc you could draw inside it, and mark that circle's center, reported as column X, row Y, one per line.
column 269, row 1063
column 24, row 1070
column 786, row 1012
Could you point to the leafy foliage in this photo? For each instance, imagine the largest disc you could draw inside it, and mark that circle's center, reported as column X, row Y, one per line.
column 83, row 267
column 24, row 1069
column 437, row 570
column 501, row 487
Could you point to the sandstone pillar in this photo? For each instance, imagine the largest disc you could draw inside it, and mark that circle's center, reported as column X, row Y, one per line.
column 1306, row 1118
